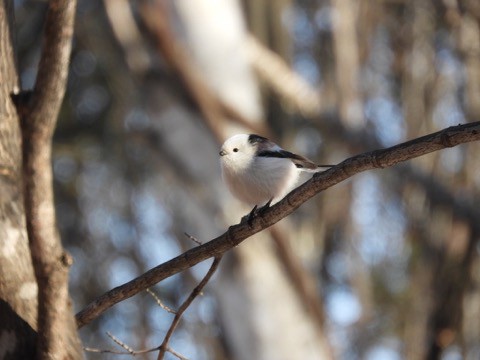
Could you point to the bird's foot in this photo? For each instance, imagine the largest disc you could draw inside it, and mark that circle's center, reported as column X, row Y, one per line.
column 256, row 211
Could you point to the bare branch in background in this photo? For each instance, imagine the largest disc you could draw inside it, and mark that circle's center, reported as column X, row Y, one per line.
column 121, row 343
column 210, row 105
column 198, row 289
column 128, row 35
column 278, row 75
column 160, row 302
column 157, row 22
column 193, row 238
column 164, row 348
column 127, row 349
column 38, row 118
column 446, row 138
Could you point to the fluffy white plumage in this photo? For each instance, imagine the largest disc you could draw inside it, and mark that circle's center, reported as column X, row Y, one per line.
column 257, row 170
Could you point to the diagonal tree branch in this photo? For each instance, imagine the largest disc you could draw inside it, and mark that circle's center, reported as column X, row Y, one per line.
column 163, row 348
column 57, row 336
column 449, row 137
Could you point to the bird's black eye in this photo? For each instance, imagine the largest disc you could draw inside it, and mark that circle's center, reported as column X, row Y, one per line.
column 235, row 150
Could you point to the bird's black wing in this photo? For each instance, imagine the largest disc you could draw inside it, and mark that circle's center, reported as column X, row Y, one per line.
column 299, row 161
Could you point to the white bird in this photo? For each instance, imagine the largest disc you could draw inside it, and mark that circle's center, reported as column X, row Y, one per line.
column 258, row 171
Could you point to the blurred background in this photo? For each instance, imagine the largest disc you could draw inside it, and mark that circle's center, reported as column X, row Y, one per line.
column 383, row 266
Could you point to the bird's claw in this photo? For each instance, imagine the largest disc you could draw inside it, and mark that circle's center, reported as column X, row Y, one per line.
column 251, row 215
column 256, row 211
column 266, row 206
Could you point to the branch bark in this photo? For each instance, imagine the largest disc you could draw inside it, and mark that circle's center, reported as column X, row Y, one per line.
column 57, row 337
column 448, row 137
column 164, row 347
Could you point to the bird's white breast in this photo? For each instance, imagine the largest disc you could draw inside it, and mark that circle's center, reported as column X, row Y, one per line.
column 261, row 179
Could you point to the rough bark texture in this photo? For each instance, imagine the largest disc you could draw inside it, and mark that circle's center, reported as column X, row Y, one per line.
column 57, row 337
column 18, row 288
column 54, row 335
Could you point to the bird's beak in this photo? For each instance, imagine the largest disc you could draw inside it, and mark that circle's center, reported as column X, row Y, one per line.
column 222, row 153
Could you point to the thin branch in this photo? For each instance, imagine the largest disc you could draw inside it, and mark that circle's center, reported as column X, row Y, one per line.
column 193, row 238
column 164, row 348
column 383, row 158
column 160, row 303
column 106, row 351
column 56, row 328
column 119, row 352
column 198, row 289
column 120, row 343
column 178, row 355
column 46, row 99
column 129, row 350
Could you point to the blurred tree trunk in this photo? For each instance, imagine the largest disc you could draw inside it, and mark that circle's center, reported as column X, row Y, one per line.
column 18, row 288
column 261, row 313
column 18, row 284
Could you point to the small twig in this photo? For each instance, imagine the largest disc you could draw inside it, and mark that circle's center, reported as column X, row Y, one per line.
column 160, row 303
column 130, row 351
column 178, row 355
column 193, row 238
column 118, row 352
column 105, row 351
column 120, row 343
column 198, row 289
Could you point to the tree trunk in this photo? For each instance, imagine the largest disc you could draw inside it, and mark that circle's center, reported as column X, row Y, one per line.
column 18, row 288
column 18, row 284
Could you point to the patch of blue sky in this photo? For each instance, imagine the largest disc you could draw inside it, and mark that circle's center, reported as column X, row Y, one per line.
column 205, row 307
column 122, row 233
column 343, row 306
column 386, row 349
column 337, row 266
column 387, row 119
column 121, row 323
column 159, row 320
column 324, row 18
column 447, row 64
column 156, row 245
column 305, row 65
column 448, row 112
column 381, row 55
column 183, row 342
column 452, row 159
column 376, row 76
column 448, row 109
column 303, row 32
column 121, row 269
column 455, row 353
column 98, row 221
column 380, row 225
